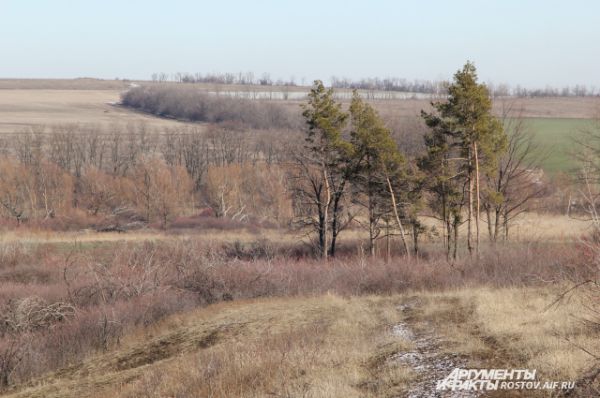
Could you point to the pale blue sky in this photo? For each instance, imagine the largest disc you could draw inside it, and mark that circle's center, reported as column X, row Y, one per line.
column 532, row 43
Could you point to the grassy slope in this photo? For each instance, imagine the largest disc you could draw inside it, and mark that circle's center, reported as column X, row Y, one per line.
column 324, row 346
column 329, row 346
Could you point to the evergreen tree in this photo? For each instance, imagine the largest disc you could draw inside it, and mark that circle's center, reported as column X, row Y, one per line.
column 444, row 179
column 379, row 169
column 466, row 119
column 323, row 163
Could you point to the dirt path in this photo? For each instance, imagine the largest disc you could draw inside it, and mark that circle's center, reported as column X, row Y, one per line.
column 428, row 359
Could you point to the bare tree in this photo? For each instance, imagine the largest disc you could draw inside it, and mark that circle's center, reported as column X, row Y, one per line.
column 161, row 191
column 509, row 191
column 17, row 194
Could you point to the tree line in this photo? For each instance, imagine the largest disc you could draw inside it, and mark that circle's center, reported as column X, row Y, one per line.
column 195, row 105
column 93, row 175
column 441, row 87
column 392, row 84
column 240, row 78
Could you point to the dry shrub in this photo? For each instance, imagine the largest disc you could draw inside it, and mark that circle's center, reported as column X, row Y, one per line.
column 13, row 254
column 93, row 329
column 258, row 249
column 206, row 222
column 26, row 274
column 259, row 269
column 12, row 352
column 73, row 220
column 132, row 271
column 51, row 292
column 33, row 313
column 90, row 297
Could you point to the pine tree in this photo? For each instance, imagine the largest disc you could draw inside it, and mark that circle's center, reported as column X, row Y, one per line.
column 378, row 167
column 466, row 118
column 444, row 179
column 324, row 162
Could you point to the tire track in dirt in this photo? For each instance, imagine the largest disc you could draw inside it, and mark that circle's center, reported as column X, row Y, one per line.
column 427, row 359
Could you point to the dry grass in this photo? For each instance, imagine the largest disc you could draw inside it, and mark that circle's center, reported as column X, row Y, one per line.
column 529, row 227
column 63, row 84
column 548, row 227
column 538, row 335
column 534, row 227
column 515, row 328
column 22, row 108
column 328, row 346
column 210, row 236
column 323, row 346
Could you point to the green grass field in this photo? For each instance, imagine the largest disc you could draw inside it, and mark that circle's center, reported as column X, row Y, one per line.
column 556, row 138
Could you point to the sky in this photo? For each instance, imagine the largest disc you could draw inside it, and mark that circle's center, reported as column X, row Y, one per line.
column 520, row 42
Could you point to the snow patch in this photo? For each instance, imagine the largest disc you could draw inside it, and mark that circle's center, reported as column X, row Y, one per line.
column 401, row 330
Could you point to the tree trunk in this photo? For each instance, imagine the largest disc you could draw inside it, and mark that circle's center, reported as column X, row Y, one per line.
column 477, row 208
column 371, row 241
column 490, row 223
column 387, row 241
column 449, row 236
column 456, row 222
column 416, row 239
column 335, row 225
column 325, row 248
column 321, row 230
column 333, row 243
column 496, row 224
column 505, row 224
column 446, row 219
column 372, row 226
column 470, row 206
column 400, row 227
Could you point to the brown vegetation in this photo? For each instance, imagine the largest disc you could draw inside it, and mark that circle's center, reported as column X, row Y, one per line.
column 193, row 105
column 62, row 305
column 108, row 311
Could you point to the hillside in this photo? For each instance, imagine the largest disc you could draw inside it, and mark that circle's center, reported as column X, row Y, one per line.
column 328, row 346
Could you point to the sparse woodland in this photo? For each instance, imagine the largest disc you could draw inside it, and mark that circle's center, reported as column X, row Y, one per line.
column 331, row 168
column 370, row 209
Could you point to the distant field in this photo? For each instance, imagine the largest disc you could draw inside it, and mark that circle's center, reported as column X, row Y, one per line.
column 556, row 138
column 26, row 102
column 63, row 84
column 542, row 107
column 22, row 108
